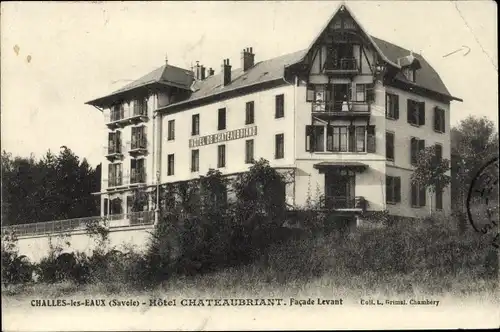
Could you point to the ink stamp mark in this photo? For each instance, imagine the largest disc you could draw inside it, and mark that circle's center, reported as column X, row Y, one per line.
column 482, row 201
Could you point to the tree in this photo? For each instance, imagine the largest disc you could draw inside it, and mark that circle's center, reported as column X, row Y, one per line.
column 474, row 141
column 54, row 187
column 430, row 171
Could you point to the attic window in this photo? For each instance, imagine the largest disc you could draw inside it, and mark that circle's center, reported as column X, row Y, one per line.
column 410, row 73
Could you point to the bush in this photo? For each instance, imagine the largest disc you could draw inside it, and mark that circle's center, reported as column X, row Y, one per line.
column 15, row 268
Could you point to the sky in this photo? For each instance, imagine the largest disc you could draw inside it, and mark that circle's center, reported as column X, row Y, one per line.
column 57, row 56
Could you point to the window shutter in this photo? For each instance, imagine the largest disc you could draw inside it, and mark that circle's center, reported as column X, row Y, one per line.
column 352, row 138
column 437, row 119
column 111, row 176
column 309, row 138
column 443, row 121
column 388, row 187
column 409, row 111
column 105, row 206
column 310, row 92
column 414, row 194
column 397, row 189
column 329, row 138
column 422, row 196
column 370, row 140
column 395, row 100
column 439, row 152
column 413, row 150
column 387, row 105
column 370, row 93
column 421, row 114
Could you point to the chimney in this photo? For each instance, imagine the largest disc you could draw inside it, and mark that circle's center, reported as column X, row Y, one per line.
column 210, row 72
column 247, row 58
column 199, row 72
column 166, row 59
column 226, row 72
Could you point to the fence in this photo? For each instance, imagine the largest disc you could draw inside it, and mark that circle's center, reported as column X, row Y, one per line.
column 68, row 225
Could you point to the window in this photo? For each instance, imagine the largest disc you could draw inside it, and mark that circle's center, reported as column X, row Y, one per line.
column 280, row 106
column 409, row 74
column 360, row 139
column 389, row 146
column 221, row 123
column 418, row 195
column 249, row 158
column 391, row 106
column 170, row 164
column 114, row 142
column 393, row 189
column 439, row 199
column 195, row 160
column 279, row 146
column 315, row 138
column 141, row 107
column 371, row 143
column 339, row 139
column 360, row 92
column 114, row 175
column 221, row 156
column 416, row 112
column 439, row 120
column 171, row 130
column 438, row 148
column 249, row 113
column 195, row 124
column 138, row 138
column 137, row 174
column 416, row 145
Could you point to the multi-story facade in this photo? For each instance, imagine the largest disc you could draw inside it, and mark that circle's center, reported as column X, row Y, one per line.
column 345, row 116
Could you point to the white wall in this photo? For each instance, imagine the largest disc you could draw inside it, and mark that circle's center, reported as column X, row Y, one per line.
column 401, row 166
column 264, row 141
column 38, row 247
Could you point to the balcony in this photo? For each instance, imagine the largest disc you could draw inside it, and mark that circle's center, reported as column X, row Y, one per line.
column 122, row 118
column 138, row 146
column 113, row 151
column 343, row 203
column 342, row 66
column 344, row 109
column 80, row 224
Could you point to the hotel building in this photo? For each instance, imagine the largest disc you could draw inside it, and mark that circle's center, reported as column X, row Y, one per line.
column 345, row 117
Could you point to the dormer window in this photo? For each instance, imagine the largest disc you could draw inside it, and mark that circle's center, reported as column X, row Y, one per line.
column 409, row 73
column 409, row 66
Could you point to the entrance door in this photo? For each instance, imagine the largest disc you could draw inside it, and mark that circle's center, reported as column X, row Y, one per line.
column 339, row 189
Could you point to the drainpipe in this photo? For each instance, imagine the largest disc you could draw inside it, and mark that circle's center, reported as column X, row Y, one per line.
column 158, row 165
column 296, row 79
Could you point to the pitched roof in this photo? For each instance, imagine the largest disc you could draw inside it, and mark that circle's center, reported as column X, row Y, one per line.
column 426, row 76
column 273, row 69
column 261, row 72
column 166, row 74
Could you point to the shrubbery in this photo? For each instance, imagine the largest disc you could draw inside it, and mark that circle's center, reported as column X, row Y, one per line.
column 204, row 228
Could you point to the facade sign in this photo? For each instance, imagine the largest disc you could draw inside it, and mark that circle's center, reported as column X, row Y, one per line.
column 223, row 137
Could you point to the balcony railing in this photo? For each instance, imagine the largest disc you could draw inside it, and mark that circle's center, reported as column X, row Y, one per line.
column 122, row 117
column 342, row 65
column 113, row 150
column 138, row 146
column 68, row 225
column 341, row 107
column 131, row 179
column 343, row 203
column 137, row 176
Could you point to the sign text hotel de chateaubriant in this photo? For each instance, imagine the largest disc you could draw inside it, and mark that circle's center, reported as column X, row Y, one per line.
column 223, row 137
